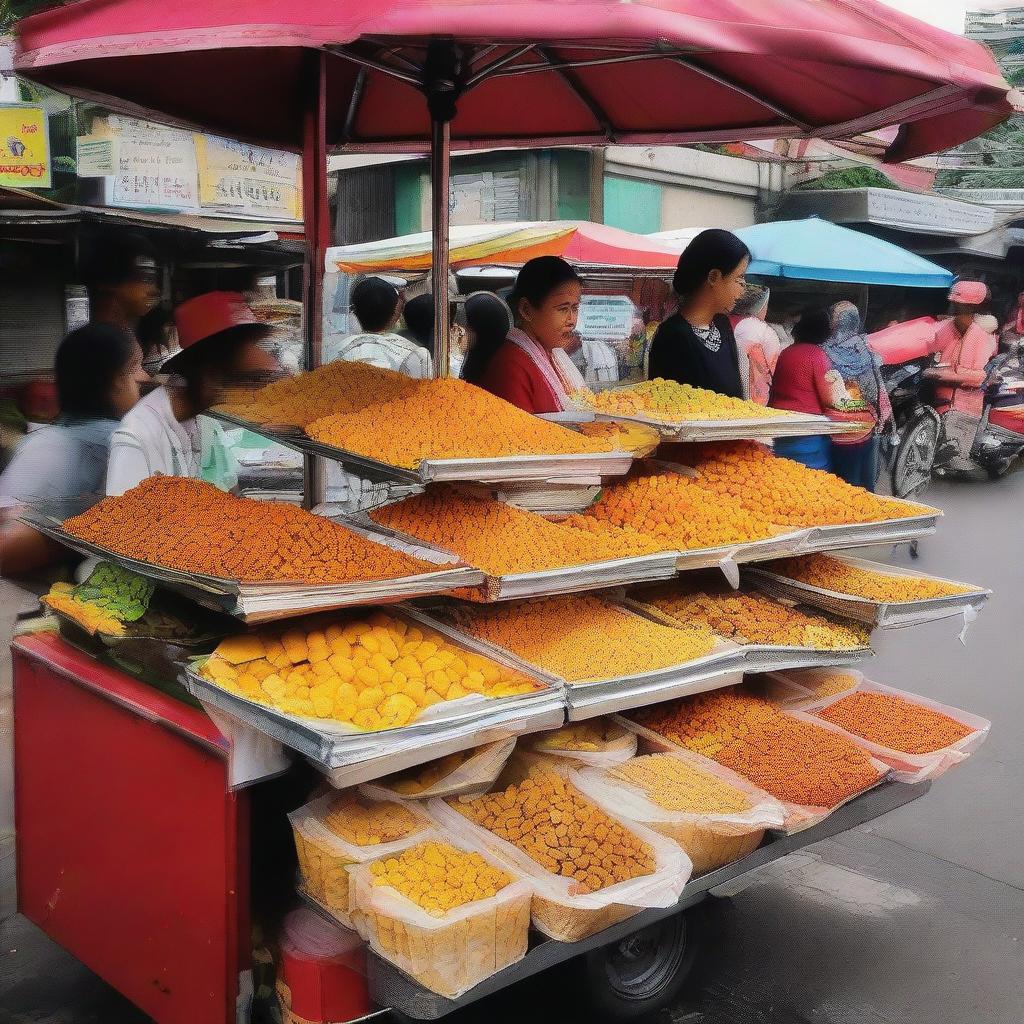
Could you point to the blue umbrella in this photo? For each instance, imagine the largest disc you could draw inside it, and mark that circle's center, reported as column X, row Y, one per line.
column 818, row 250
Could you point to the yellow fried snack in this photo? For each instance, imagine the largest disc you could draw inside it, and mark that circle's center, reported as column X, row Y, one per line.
column 439, row 878
column 88, row 616
column 675, row 785
column 363, row 822
column 547, row 818
column 414, row 781
column 591, row 736
column 371, row 671
column 754, row 619
column 842, row 578
column 581, row 636
column 667, row 401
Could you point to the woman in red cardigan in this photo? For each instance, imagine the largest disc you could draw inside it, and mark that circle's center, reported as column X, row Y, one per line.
column 530, row 367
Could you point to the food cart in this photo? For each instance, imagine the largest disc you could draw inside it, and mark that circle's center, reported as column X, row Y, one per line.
column 138, row 861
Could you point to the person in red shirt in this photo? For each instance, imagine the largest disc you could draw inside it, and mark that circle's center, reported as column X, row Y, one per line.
column 530, row 367
column 802, row 384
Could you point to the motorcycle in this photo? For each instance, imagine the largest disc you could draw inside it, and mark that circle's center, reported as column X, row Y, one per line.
column 910, row 441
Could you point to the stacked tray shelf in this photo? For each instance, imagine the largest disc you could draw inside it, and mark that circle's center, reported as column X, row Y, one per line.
column 754, row 428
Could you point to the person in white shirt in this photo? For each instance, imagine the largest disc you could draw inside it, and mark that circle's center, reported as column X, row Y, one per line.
column 377, row 305
column 165, row 433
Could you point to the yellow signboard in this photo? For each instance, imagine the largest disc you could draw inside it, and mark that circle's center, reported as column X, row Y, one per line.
column 249, row 181
column 24, row 146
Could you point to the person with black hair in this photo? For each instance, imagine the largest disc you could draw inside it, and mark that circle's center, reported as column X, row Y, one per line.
column 155, row 333
column 121, row 274
column 98, row 370
column 165, row 433
column 530, row 367
column 805, row 381
column 419, row 327
column 696, row 344
column 377, row 305
column 489, row 320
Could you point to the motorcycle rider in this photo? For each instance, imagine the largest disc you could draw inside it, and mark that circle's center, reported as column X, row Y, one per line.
column 964, row 349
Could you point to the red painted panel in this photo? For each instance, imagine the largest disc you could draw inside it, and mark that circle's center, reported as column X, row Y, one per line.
column 129, row 844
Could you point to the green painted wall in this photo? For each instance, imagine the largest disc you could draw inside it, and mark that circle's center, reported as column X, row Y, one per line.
column 573, row 185
column 632, row 205
column 408, row 199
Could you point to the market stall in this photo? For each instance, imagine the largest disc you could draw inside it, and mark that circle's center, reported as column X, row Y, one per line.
column 468, row 906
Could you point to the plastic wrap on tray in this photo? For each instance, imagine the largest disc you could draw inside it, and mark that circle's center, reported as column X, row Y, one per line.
column 325, row 856
column 461, row 774
column 560, row 910
column 451, row 953
column 596, row 743
column 907, row 767
column 710, row 838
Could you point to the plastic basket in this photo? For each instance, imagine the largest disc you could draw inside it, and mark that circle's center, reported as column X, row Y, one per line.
column 449, row 954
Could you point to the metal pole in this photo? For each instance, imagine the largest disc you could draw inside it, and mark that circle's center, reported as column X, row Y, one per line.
column 440, row 171
column 317, row 226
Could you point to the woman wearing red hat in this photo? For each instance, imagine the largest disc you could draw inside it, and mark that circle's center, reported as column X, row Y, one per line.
column 218, row 334
column 964, row 349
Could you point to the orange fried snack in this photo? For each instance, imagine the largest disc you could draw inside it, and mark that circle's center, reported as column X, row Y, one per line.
column 582, row 636
column 754, row 619
column 786, row 492
column 547, row 818
column 448, row 419
column 891, row 721
column 501, row 539
column 194, row 527
column 338, row 387
column 842, row 578
column 364, row 822
column 792, row 760
column 674, row 509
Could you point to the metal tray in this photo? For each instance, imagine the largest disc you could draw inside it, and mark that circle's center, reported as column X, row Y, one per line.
column 888, row 531
column 334, row 746
column 794, row 425
column 491, row 470
column 260, row 602
column 768, row 658
column 887, row 615
column 723, row 667
column 571, row 579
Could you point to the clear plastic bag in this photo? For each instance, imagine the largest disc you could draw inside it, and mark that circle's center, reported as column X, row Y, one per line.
column 911, row 768
column 709, row 839
column 619, row 746
column 798, row 816
column 475, row 775
column 796, row 689
column 449, row 954
column 324, row 857
column 557, row 911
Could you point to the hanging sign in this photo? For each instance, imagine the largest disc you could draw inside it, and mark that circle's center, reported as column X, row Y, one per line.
column 24, row 146
column 248, row 181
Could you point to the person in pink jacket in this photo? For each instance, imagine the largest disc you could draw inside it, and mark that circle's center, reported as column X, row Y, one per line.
column 964, row 349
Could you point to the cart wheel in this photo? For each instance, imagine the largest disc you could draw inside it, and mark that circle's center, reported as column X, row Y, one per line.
column 643, row 973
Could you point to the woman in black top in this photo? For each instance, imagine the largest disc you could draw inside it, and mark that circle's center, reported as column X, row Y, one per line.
column 696, row 345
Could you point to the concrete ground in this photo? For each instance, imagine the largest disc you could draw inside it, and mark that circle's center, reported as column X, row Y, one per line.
column 914, row 919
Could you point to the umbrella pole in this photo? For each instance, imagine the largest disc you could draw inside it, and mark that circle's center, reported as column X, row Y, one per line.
column 317, row 229
column 440, row 217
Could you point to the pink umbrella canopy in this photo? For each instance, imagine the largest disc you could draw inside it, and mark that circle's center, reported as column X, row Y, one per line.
column 527, row 71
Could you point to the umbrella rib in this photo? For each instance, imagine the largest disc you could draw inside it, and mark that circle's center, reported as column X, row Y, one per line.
column 729, row 83
column 353, row 105
column 373, row 65
column 489, row 69
column 581, row 92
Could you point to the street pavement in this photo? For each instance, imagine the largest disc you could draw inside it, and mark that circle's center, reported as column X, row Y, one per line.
column 916, row 918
